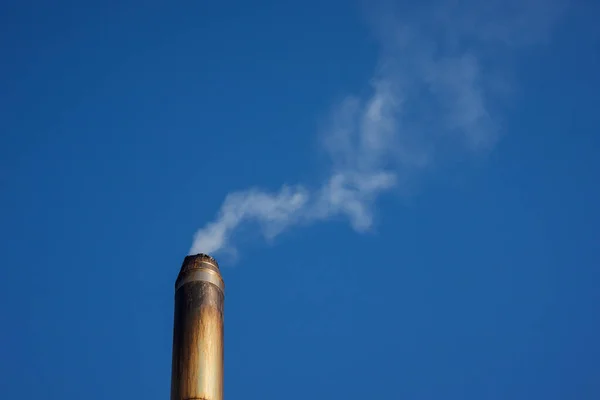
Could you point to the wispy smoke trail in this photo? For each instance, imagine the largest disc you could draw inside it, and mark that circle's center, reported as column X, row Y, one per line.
column 432, row 92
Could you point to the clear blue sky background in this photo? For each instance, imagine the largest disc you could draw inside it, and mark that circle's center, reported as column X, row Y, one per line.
column 124, row 125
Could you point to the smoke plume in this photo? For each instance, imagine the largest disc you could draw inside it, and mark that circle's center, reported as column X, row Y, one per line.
column 436, row 89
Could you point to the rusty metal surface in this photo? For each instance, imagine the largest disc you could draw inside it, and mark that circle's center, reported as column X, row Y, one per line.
column 199, row 261
column 197, row 365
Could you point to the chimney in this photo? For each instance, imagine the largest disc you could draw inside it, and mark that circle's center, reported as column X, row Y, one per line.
column 197, row 364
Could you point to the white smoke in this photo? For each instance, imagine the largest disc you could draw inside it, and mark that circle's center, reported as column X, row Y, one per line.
column 431, row 92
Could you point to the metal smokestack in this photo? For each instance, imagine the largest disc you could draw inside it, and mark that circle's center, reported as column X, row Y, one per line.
column 197, row 366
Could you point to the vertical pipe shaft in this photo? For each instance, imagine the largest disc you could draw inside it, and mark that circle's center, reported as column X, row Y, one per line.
column 197, row 365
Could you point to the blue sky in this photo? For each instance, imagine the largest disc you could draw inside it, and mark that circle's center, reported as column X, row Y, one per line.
column 403, row 199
